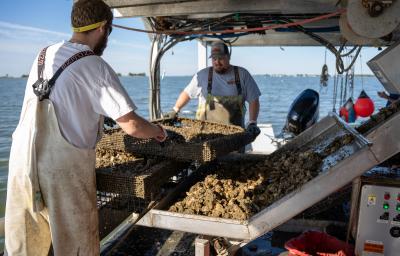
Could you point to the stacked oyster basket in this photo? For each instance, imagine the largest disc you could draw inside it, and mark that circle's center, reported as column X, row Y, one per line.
column 188, row 140
column 130, row 172
column 127, row 185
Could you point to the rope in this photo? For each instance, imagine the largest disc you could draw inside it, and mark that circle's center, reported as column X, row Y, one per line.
column 339, row 61
column 341, row 90
column 345, row 87
column 362, row 75
column 351, row 82
column 323, row 81
column 335, row 85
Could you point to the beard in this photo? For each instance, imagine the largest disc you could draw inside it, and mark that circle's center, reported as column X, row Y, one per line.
column 101, row 45
column 221, row 70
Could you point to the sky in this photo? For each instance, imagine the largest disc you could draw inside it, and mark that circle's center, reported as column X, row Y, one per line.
column 28, row 26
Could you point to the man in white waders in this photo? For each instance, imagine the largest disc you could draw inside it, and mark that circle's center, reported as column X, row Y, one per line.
column 222, row 91
column 51, row 193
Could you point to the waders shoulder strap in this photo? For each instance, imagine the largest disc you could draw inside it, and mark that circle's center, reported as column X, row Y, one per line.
column 42, row 87
column 41, row 60
column 210, row 77
column 237, row 80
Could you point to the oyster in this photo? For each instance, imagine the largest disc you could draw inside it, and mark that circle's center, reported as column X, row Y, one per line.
column 240, row 190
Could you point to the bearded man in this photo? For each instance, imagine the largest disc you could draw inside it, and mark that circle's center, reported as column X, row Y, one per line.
column 51, row 190
column 222, row 91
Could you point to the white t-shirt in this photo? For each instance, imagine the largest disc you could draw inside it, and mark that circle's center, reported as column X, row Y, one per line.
column 86, row 90
column 223, row 85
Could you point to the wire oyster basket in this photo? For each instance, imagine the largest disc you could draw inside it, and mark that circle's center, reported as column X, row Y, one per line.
column 127, row 183
column 188, row 140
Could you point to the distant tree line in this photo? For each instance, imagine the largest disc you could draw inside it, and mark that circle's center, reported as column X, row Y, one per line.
column 133, row 74
column 137, row 74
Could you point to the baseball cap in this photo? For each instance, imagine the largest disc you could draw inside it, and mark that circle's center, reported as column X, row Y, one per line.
column 219, row 49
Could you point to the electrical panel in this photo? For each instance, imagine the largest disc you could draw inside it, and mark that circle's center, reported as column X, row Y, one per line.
column 386, row 66
column 378, row 231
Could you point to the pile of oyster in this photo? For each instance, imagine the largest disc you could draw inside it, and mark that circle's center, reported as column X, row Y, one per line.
column 238, row 190
column 184, row 131
column 108, row 157
column 193, row 131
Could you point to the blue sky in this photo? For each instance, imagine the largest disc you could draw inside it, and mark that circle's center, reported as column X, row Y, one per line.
column 28, row 26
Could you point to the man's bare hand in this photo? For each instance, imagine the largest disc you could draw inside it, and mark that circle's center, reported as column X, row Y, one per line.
column 162, row 136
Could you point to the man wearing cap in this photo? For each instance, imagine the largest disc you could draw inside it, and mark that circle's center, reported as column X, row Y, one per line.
column 222, row 91
column 51, row 190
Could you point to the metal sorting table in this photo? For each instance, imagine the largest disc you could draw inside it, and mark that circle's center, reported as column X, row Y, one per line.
column 338, row 169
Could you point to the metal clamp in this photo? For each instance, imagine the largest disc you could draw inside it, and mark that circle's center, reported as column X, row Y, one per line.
column 42, row 88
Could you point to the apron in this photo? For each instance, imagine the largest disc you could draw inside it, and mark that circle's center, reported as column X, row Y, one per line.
column 223, row 109
column 51, row 193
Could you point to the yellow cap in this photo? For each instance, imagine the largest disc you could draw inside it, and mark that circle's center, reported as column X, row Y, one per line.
column 89, row 27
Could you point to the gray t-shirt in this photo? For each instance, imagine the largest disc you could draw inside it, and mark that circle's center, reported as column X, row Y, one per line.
column 223, row 85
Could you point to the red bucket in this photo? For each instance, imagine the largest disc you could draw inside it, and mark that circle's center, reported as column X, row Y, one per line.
column 318, row 243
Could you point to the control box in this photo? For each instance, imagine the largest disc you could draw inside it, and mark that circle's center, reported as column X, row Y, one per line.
column 386, row 67
column 378, row 229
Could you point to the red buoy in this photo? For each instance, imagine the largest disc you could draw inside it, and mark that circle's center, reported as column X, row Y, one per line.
column 344, row 113
column 364, row 106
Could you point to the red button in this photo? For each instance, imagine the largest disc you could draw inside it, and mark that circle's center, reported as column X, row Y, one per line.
column 387, row 196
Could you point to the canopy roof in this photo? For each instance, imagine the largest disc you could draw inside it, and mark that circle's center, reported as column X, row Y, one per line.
column 243, row 22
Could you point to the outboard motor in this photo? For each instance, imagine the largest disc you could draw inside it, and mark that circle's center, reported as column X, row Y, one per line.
column 303, row 112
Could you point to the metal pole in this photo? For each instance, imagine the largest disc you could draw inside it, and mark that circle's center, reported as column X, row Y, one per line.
column 154, row 80
column 201, row 55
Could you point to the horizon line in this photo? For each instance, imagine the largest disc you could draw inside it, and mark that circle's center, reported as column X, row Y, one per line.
column 189, row 75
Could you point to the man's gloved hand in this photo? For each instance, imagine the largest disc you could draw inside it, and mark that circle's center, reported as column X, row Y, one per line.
column 173, row 114
column 253, row 129
column 170, row 115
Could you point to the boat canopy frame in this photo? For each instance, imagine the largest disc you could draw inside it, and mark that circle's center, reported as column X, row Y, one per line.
column 238, row 23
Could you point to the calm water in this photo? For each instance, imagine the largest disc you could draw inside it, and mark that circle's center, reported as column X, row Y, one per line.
column 278, row 94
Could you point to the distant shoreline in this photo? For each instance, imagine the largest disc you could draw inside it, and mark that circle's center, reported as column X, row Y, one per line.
column 137, row 74
column 267, row 75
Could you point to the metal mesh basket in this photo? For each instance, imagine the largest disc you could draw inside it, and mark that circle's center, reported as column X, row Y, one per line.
column 127, row 183
column 188, row 140
column 143, row 183
column 113, row 208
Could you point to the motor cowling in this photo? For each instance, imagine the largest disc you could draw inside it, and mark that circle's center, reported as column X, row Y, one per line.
column 303, row 112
